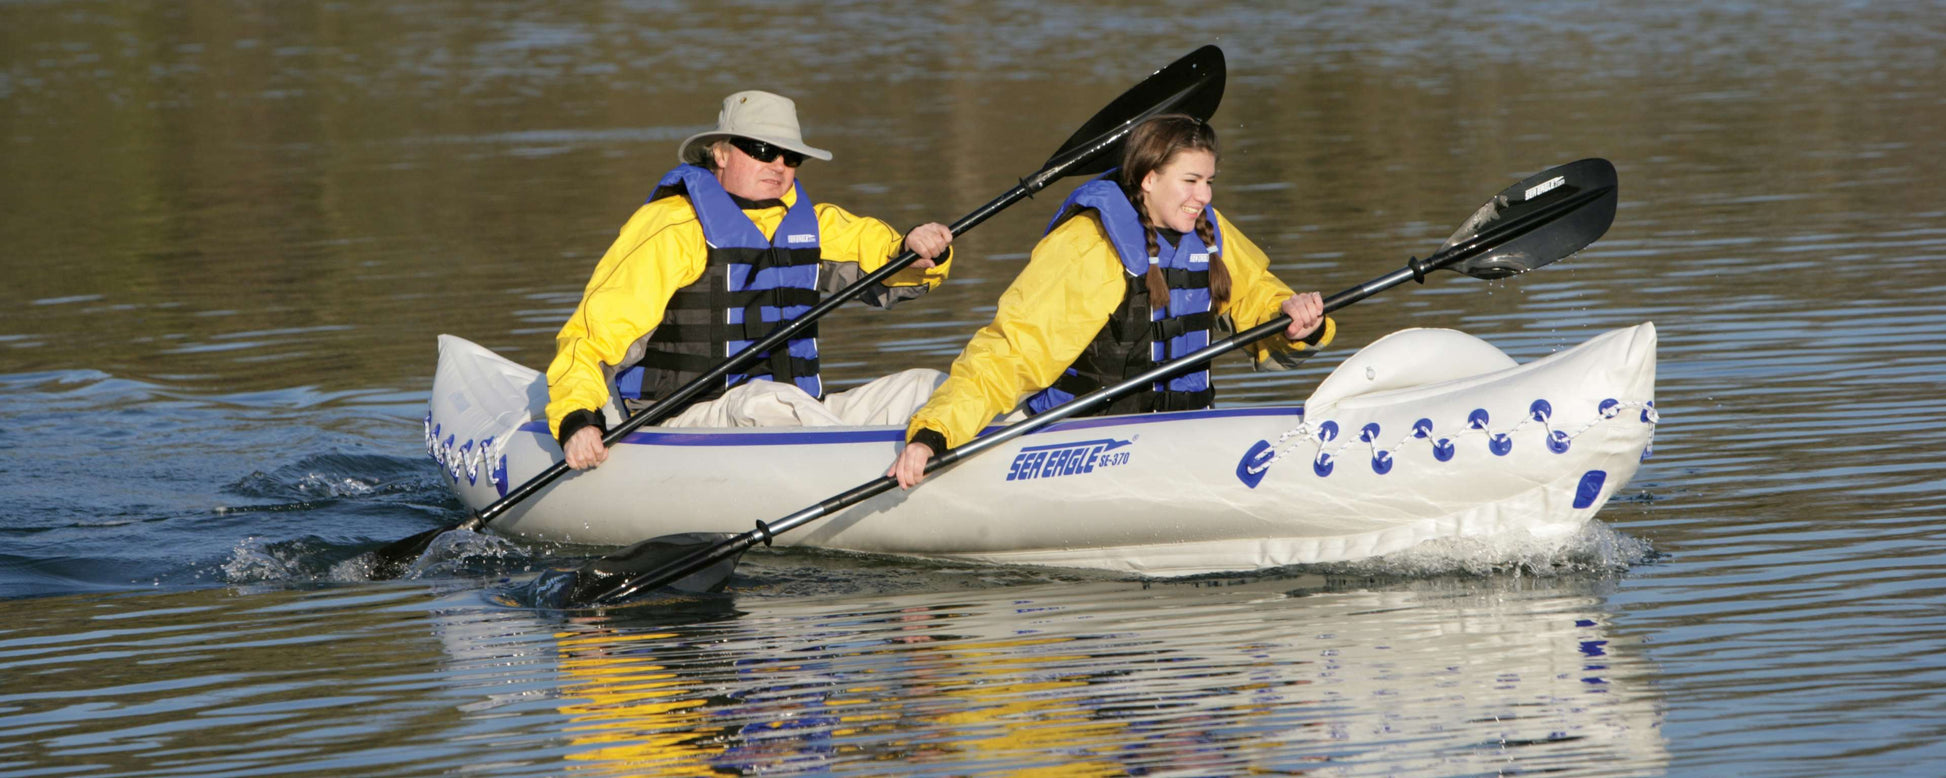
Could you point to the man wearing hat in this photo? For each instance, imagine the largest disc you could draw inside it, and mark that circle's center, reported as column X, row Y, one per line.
column 726, row 247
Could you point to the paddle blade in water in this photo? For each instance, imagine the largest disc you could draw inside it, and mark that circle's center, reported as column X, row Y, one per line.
column 1546, row 217
column 393, row 559
column 1191, row 85
column 646, row 563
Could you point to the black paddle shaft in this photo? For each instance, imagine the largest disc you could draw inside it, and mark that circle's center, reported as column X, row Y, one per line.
column 1197, row 83
column 1192, row 84
column 1507, row 240
column 1203, row 70
column 1201, row 75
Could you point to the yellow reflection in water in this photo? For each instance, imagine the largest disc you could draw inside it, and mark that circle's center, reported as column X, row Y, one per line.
column 631, row 712
column 639, row 714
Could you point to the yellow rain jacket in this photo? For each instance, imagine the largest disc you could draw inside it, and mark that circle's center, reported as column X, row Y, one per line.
column 1073, row 282
column 661, row 250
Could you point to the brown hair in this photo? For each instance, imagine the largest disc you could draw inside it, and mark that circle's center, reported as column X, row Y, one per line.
column 708, row 161
column 1150, row 146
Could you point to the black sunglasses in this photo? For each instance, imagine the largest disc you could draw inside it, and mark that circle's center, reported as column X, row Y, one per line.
column 765, row 152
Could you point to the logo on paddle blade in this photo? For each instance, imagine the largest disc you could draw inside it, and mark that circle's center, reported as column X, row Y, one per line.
column 1067, row 459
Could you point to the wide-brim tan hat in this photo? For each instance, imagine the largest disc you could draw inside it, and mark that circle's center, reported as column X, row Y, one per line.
column 756, row 115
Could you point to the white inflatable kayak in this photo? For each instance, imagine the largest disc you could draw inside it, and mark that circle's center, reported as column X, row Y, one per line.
column 1424, row 434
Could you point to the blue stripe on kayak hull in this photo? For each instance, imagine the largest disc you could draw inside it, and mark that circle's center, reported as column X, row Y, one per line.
column 799, row 436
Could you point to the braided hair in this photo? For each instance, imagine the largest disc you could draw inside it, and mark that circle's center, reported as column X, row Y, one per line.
column 1150, row 147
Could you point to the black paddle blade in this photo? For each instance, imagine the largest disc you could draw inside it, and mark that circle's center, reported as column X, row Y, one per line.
column 391, row 560
column 1547, row 216
column 646, row 566
column 1191, row 85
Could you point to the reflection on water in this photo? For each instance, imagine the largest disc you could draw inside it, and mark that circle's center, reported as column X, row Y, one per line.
column 1273, row 676
column 1108, row 678
column 232, row 232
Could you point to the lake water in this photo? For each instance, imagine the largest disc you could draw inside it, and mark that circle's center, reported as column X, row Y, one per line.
column 232, row 232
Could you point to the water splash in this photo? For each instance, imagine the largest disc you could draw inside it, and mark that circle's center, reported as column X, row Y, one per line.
column 339, row 476
column 455, row 554
column 1595, row 548
column 258, row 560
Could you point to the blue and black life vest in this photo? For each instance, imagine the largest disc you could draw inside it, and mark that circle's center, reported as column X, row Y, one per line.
column 1139, row 335
column 750, row 284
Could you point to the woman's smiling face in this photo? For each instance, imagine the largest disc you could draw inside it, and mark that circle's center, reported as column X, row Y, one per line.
column 1176, row 193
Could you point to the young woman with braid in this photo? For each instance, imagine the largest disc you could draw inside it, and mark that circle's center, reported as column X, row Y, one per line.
column 1136, row 269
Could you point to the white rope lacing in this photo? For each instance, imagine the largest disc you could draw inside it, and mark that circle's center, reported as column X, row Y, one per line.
column 467, row 459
